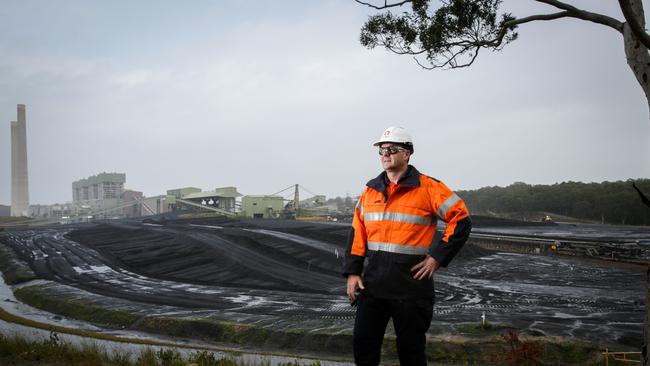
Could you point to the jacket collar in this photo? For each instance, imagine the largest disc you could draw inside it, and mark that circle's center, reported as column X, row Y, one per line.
column 411, row 178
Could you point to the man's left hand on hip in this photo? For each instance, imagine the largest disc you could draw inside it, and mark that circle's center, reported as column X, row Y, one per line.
column 425, row 268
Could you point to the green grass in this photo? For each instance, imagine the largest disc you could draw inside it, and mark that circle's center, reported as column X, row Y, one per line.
column 15, row 350
column 296, row 340
column 472, row 343
column 10, row 220
column 572, row 352
column 40, row 297
column 495, row 349
column 268, row 339
column 8, row 317
column 479, row 329
column 18, row 351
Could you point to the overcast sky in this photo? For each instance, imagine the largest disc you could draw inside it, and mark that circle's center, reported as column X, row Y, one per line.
column 262, row 95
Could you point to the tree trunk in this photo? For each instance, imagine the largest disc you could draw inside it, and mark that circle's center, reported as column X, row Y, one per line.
column 636, row 53
column 639, row 61
column 645, row 360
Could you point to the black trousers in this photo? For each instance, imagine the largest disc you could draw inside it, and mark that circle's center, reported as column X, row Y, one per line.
column 411, row 319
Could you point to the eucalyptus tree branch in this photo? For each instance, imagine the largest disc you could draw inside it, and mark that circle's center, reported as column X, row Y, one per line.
column 515, row 22
column 473, row 43
column 585, row 15
column 559, row 4
column 634, row 23
column 451, row 59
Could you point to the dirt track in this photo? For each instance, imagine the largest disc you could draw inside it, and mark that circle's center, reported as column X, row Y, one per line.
column 287, row 273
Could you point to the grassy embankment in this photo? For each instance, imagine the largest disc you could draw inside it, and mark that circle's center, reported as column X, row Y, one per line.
column 466, row 344
column 8, row 221
column 21, row 352
column 18, row 351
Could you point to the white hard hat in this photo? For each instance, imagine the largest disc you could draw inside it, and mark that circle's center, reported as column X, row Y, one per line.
column 396, row 135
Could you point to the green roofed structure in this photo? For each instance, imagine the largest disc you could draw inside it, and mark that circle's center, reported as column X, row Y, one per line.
column 182, row 192
column 222, row 198
column 266, row 207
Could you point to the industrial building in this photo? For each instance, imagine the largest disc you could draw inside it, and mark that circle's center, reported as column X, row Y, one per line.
column 154, row 205
column 135, row 197
column 19, row 178
column 181, row 192
column 262, row 207
column 315, row 201
column 100, row 191
column 59, row 211
column 105, row 197
column 223, row 198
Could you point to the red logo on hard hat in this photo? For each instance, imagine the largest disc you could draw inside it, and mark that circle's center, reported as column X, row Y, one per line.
column 387, row 133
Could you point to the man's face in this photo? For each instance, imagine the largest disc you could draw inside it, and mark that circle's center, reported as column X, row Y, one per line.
column 396, row 161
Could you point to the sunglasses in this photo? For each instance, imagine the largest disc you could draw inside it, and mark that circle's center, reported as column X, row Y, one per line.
column 391, row 150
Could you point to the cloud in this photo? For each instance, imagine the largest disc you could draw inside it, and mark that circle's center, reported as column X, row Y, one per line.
column 139, row 77
column 282, row 93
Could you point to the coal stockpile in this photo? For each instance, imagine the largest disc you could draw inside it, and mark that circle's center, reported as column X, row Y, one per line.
column 227, row 255
column 286, row 274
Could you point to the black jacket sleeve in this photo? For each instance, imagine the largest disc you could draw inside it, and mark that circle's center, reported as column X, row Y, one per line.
column 445, row 252
column 353, row 264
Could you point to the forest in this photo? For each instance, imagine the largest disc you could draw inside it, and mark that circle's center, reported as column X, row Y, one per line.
column 615, row 203
column 607, row 202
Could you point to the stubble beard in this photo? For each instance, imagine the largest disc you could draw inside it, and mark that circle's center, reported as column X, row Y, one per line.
column 392, row 166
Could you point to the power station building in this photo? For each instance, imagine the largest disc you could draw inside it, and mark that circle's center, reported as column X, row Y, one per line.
column 19, row 179
column 100, row 191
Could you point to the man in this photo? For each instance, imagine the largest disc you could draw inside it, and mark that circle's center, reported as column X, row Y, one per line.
column 394, row 227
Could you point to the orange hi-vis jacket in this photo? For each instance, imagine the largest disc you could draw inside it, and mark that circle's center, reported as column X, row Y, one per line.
column 395, row 226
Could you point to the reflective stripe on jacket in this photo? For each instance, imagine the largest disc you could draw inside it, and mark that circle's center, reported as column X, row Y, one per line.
column 395, row 227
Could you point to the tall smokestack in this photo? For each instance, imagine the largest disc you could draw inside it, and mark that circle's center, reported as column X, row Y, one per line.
column 19, row 181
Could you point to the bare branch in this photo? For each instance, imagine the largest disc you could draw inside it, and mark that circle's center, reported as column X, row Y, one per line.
column 385, row 6
column 563, row 14
column 470, row 62
column 532, row 18
column 507, row 25
column 560, row 5
column 585, row 15
column 425, row 66
column 451, row 59
column 633, row 22
column 402, row 51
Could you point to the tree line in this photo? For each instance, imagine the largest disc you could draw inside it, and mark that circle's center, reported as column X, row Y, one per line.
column 607, row 202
